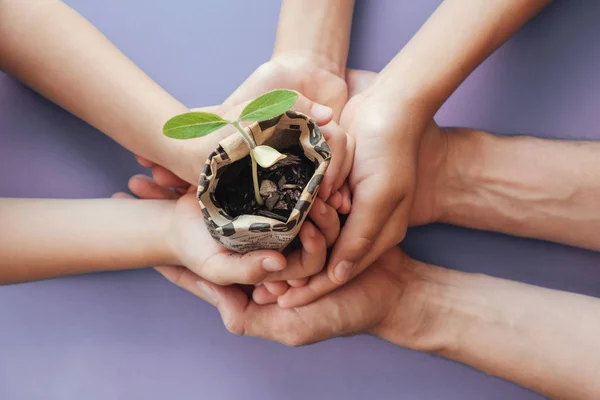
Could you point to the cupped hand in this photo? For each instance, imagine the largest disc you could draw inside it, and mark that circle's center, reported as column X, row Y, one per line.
column 193, row 247
column 397, row 159
column 316, row 85
column 392, row 295
column 294, row 72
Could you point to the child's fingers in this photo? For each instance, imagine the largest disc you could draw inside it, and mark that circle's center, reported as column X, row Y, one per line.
column 167, row 179
column 297, row 282
column 305, row 262
column 346, row 200
column 122, row 195
column 146, row 188
column 277, row 288
column 337, row 141
column 261, row 296
column 225, row 268
column 326, row 220
column 336, row 200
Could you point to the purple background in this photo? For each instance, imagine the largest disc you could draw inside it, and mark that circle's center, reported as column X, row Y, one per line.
column 133, row 335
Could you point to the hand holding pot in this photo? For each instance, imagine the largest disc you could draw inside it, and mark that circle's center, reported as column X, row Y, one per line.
column 193, row 246
column 382, row 181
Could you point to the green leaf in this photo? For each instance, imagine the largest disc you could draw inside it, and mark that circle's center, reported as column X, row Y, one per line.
column 269, row 105
column 266, row 156
column 192, row 125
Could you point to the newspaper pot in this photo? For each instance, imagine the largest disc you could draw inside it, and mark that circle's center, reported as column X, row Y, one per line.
column 245, row 233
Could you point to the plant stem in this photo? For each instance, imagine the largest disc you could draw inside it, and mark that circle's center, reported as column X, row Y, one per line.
column 250, row 142
column 259, row 199
column 247, row 138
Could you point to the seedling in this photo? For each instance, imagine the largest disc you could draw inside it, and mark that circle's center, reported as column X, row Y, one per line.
column 196, row 124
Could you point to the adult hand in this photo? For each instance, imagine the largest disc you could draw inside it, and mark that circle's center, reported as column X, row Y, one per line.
column 393, row 292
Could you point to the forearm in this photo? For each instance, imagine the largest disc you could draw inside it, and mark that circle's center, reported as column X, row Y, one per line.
column 319, row 29
column 47, row 238
column 545, row 189
column 58, row 53
column 545, row 340
column 457, row 37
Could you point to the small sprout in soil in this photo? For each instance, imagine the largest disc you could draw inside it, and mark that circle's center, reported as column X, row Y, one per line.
column 270, row 105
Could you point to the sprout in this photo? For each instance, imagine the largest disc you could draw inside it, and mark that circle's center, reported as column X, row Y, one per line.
column 196, row 124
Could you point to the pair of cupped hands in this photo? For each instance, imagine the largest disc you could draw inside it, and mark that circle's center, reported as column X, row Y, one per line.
column 379, row 174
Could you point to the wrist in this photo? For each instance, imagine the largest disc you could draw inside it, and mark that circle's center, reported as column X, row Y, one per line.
column 318, row 30
column 167, row 248
column 310, row 58
column 420, row 315
column 465, row 162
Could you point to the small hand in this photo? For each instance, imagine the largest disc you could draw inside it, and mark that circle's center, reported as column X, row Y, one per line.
column 284, row 72
column 397, row 160
column 193, row 246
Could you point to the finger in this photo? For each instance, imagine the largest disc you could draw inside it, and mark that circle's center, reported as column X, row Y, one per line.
column 346, row 205
column 358, row 80
column 144, row 162
column 337, row 141
column 348, row 162
column 322, row 115
column 326, row 220
column 307, row 261
column 186, row 279
column 167, row 179
column 336, row 200
column 122, row 195
column 321, row 284
column 297, row 282
column 225, row 268
column 146, row 188
column 317, row 286
column 374, row 201
column 230, row 301
column 277, row 288
column 261, row 295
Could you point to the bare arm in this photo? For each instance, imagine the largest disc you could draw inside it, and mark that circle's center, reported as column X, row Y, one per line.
column 457, row 37
column 545, row 340
column 62, row 56
column 319, row 29
column 524, row 186
column 47, row 238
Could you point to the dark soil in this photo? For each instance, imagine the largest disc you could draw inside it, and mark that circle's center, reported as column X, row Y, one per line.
column 280, row 186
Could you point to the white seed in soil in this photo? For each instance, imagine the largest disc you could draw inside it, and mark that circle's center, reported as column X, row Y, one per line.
column 267, row 187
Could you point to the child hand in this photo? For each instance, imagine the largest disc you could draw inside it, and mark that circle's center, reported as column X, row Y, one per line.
column 193, row 247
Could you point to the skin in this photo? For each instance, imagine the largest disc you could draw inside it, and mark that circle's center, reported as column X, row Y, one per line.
column 117, row 234
column 74, row 55
column 390, row 118
column 542, row 339
column 313, row 64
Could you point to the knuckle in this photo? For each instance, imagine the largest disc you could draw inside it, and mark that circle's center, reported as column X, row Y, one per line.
column 234, row 326
column 295, row 340
column 253, row 276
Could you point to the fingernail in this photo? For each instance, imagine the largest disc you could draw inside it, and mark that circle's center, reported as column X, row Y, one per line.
column 207, row 292
column 322, row 208
column 271, row 265
column 320, row 112
column 342, row 270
